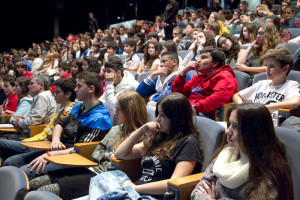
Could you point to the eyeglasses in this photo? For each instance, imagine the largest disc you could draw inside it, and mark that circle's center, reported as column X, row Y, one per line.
column 260, row 33
column 223, row 42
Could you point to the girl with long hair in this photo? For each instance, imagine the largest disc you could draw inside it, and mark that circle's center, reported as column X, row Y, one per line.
column 76, row 66
column 172, row 149
column 251, row 162
column 215, row 17
column 248, row 34
column 25, row 99
column 151, row 57
column 230, row 45
column 262, row 13
column 267, row 37
column 203, row 39
column 130, row 114
column 83, row 49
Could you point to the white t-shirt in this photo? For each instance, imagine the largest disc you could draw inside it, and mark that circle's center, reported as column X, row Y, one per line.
column 132, row 62
column 262, row 92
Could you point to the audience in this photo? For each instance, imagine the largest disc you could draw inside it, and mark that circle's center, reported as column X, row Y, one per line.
column 99, row 54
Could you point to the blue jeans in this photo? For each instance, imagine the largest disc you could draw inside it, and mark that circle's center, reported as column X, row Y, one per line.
column 108, row 185
column 10, row 148
column 49, row 167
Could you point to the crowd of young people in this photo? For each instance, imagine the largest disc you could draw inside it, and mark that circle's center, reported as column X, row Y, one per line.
column 95, row 68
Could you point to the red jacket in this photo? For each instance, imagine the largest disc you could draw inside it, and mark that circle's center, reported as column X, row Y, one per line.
column 10, row 104
column 208, row 93
column 28, row 74
column 65, row 76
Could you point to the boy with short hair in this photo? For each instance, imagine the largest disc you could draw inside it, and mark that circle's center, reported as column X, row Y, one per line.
column 116, row 81
column 276, row 92
column 63, row 72
column 22, row 69
column 112, row 49
column 88, row 121
column 289, row 20
column 11, row 102
column 132, row 61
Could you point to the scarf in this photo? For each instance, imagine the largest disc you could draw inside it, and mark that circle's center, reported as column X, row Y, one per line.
column 231, row 171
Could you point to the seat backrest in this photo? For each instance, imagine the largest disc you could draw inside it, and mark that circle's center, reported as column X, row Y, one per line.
column 295, row 32
column 140, row 55
column 211, row 134
column 13, row 183
column 244, row 46
column 111, row 109
column 291, row 140
column 293, row 47
column 41, row 195
column 135, row 74
column 144, row 75
column 123, row 57
column 151, row 115
column 242, row 79
column 293, row 75
column 183, row 53
column 238, row 28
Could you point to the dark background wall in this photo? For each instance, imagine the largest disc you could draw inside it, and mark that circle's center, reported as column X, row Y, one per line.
column 23, row 22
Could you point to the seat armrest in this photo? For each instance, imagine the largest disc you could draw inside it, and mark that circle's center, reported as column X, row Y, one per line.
column 5, row 118
column 221, row 113
column 71, row 160
column 42, row 145
column 36, row 129
column 132, row 168
column 86, row 148
column 181, row 188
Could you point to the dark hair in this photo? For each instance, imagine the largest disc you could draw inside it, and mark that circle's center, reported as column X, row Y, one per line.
column 64, row 66
column 116, row 65
column 22, row 65
column 10, row 79
column 32, row 53
column 113, row 45
column 153, row 34
column 131, row 42
column 67, row 85
column 251, row 33
column 173, row 106
column 190, row 24
column 244, row 3
column 91, row 78
column 23, row 82
column 142, row 36
column 216, row 54
column 267, row 156
column 170, row 45
column 148, row 60
column 210, row 41
column 93, row 63
column 276, row 21
column 235, row 47
column 171, row 55
column 79, row 63
column 73, row 52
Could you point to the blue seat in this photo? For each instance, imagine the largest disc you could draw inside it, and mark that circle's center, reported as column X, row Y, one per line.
column 293, row 75
column 140, row 55
column 291, row 140
column 41, row 195
column 242, row 79
column 144, row 75
column 183, row 53
column 295, row 32
column 293, row 47
column 13, row 183
column 151, row 115
column 135, row 74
